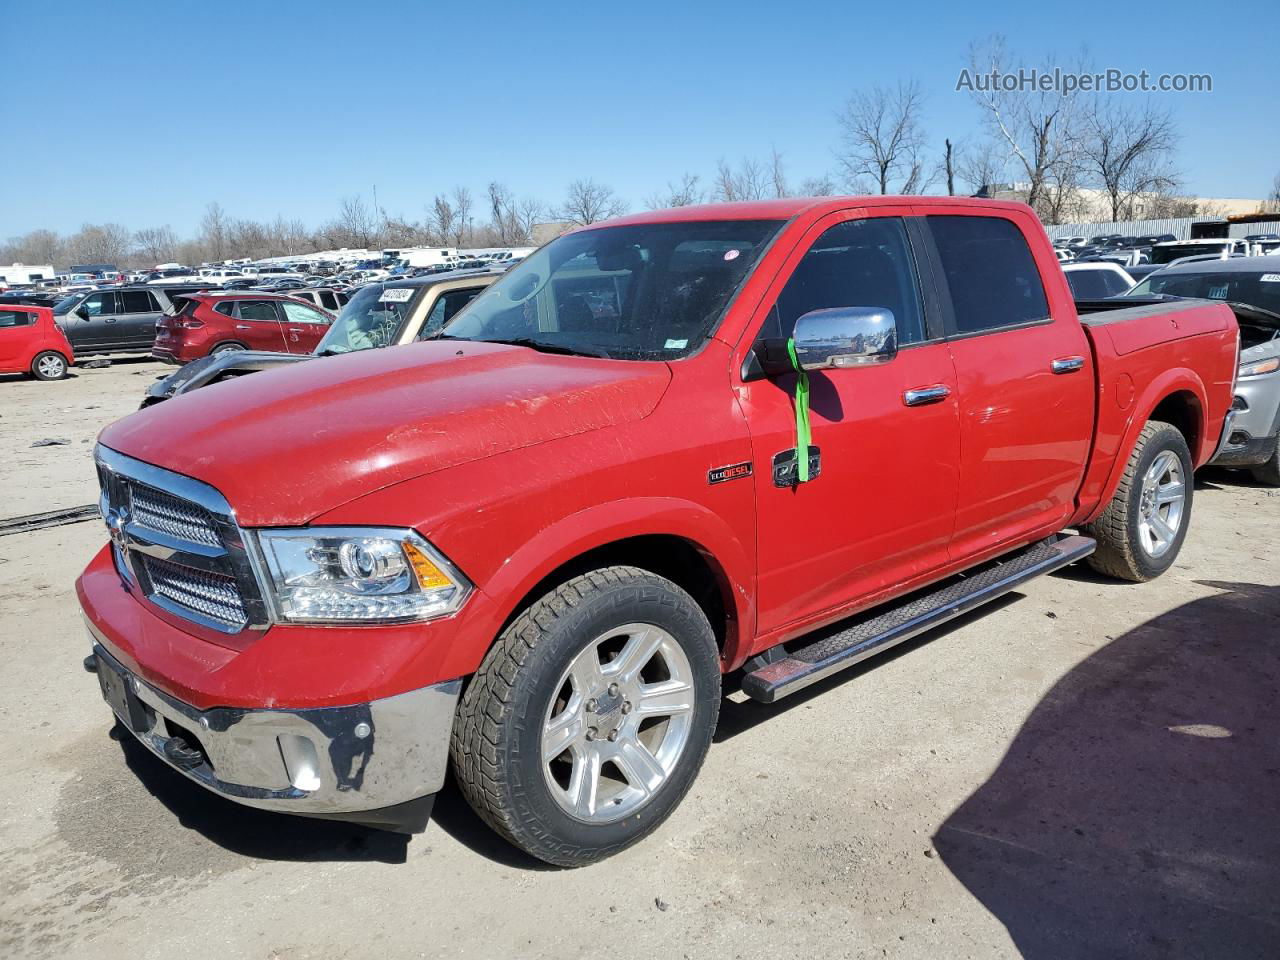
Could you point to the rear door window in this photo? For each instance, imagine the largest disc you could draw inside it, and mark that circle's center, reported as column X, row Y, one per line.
column 138, row 301
column 990, row 273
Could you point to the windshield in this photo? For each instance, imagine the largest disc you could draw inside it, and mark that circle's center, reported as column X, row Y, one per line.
column 66, row 304
column 649, row 291
column 1260, row 290
column 372, row 318
column 1169, row 254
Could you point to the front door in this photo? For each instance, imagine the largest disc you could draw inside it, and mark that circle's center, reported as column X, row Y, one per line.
column 258, row 326
column 1026, row 383
column 91, row 327
column 881, row 508
column 17, row 331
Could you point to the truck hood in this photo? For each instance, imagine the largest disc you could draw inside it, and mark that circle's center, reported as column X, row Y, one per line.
column 286, row 445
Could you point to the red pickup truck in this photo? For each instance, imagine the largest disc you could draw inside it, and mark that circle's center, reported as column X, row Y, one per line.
column 533, row 546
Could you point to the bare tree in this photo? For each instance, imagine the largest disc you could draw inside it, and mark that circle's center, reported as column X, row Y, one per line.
column 213, row 231
column 777, row 174
column 882, row 137
column 99, row 243
column 949, row 165
column 588, row 202
column 157, row 244
column 982, row 167
column 749, row 181
column 462, row 215
column 1037, row 126
column 35, row 247
column 527, row 212
column 1272, row 203
column 356, row 222
column 822, row 186
column 440, row 220
column 1128, row 150
column 686, row 193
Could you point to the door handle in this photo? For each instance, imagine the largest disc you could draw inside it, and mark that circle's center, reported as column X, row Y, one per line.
column 111, row 320
column 921, row 396
column 243, row 326
column 1067, row 364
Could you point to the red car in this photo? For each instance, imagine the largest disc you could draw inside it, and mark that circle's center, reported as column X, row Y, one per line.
column 30, row 342
column 201, row 324
column 775, row 437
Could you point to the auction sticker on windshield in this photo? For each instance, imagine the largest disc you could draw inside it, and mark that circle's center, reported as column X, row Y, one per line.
column 396, row 295
column 1271, row 278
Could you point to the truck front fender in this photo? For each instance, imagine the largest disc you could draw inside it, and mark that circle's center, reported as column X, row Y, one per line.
column 559, row 545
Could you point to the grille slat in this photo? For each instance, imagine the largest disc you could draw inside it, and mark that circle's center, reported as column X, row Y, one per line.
column 170, row 515
column 210, row 594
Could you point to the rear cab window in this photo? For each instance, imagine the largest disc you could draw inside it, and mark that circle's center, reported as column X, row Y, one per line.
column 990, row 273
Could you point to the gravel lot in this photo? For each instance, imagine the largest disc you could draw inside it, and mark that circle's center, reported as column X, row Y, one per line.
column 1088, row 770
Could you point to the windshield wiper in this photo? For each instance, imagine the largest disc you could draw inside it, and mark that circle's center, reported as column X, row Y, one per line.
column 330, row 352
column 540, row 345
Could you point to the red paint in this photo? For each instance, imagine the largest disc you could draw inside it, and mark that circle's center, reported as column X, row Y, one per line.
column 514, row 463
column 19, row 346
column 215, row 320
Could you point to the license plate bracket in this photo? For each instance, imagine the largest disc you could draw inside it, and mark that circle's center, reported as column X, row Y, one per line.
column 133, row 713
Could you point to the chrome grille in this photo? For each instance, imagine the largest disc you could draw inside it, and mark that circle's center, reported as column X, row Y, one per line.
column 176, row 543
column 169, row 515
column 214, row 595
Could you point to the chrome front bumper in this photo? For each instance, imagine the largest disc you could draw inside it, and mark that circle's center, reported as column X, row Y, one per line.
column 375, row 763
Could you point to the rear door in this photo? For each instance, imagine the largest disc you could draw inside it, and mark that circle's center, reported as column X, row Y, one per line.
column 139, row 312
column 1025, row 376
column 303, row 326
column 258, row 325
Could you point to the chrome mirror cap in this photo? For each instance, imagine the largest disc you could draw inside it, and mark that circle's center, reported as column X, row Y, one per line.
column 845, row 337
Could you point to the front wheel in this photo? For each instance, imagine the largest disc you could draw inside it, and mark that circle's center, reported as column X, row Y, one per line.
column 49, row 365
column 590, row 717
column 1143, row 526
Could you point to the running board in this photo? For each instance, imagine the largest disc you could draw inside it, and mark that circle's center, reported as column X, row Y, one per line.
column 864, row 639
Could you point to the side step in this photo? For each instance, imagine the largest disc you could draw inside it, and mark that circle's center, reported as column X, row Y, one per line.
column 923, row 611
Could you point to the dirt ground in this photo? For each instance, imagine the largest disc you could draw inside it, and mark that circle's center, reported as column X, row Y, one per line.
column 1087, row 770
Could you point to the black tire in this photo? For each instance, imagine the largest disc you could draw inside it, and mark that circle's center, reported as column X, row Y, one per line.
column 496, row 746
column 227, row 347
column 1121, row 552
column 1268, row 472
column 53, row 363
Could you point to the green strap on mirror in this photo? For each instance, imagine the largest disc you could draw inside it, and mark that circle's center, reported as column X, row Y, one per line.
column 802, row 415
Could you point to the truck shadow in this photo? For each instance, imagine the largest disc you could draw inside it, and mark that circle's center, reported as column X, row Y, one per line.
column 1137, row 811
column 256, row 833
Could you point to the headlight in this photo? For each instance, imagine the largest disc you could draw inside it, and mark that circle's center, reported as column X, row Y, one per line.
column 358, row 575
column 1261, row 367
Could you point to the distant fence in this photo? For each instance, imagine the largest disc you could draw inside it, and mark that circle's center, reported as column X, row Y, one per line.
column 1180, row 227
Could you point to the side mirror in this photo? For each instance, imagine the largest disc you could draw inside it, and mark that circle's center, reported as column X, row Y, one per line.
column 845, row 337
column 82, row 313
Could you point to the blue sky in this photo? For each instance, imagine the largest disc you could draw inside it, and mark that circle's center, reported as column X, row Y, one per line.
column 143, row 113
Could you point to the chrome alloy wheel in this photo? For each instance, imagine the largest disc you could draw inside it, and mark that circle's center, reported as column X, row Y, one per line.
column 52, row 367
column 618, row 723
column 1164, row 496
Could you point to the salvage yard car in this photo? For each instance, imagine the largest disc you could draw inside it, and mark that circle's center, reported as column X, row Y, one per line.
column 761, row 437
column 31, row 342
column 211, row 323
column 380, row 315
column 1251, row 285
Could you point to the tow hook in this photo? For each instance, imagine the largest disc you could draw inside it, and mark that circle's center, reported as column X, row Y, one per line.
column 91, row 663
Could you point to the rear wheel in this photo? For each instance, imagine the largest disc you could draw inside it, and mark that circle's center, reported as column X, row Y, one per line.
column 229, row 347
column 590, row 717
column 49, row 365
column 1268, row 472
column 1143, row 526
